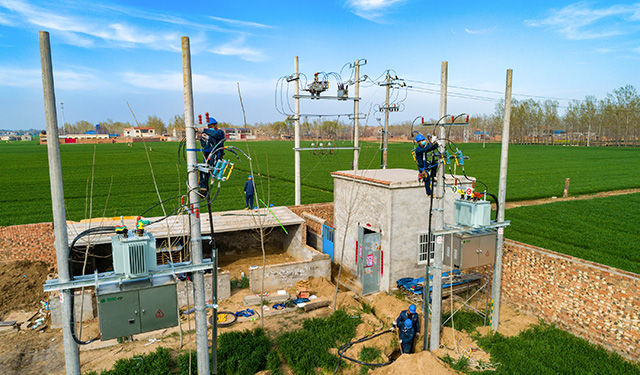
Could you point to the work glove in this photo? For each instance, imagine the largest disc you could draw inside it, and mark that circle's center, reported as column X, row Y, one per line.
column 400, row 341
column 434, row 139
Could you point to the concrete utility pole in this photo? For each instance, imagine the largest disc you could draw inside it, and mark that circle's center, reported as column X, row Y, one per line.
column 202, row 349
column 502, row 190
column 385, row 136
column 436, row 314
column 356, row 119
column 62, row 109
column 71, row 353
column 297, row 136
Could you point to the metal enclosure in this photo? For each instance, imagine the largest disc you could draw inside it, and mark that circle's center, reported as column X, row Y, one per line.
column 134, row 256
column 468, row 250
column 136, row 306
column 369, row 260
column 470, row 213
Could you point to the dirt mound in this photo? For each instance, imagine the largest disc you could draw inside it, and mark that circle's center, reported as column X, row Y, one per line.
column 460, row 344
column 422, row 362
column 21, row 284
column 326, row 290
column 388, row 307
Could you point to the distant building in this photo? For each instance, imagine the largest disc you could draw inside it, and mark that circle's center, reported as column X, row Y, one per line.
column 139, row 132
column 238, row 133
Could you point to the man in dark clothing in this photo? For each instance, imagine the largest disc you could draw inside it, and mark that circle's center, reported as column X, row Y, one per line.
column 412, row 315
column 212, row 142
column 426, row 167
column 405, row 335
column 249, row 192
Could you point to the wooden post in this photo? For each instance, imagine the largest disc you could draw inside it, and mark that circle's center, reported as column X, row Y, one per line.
column 566, row 188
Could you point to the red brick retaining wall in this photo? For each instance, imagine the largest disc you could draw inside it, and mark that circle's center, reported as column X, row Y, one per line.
column 27, row 242
column 598, row 303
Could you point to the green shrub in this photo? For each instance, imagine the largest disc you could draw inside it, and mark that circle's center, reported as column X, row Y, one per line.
column 368, row 355
column 183, row 362
column 156, row 363
column 243, row 353
column 544, row 349
column 307, row 348
column 242, row 283
column 464, row 320
column 273, row 362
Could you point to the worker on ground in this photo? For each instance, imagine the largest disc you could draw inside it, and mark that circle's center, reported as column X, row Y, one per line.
column 426, row 167
column 249, row 192
column 212, row 142
column 411, row 314
column 405, row 335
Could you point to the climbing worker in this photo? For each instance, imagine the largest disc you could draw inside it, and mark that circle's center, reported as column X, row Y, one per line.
column 411, row 314
column 405, row 335
column 212, row 142
column 249, row 192
column 426, row 167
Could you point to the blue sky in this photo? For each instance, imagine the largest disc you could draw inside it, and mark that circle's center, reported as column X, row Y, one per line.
column 106, row 54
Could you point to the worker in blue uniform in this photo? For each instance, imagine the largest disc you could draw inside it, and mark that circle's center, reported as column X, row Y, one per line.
column 426, row 167
column 212, row 142
column 249, row 192
column 411, row 314
column 405, row 335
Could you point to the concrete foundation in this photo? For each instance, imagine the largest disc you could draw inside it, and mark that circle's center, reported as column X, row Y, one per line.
column 86, row 305
column 224, row 289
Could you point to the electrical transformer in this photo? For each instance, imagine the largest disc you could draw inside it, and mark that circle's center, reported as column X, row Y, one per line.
column 470, row 249
column 471, row 213
column 138, row 302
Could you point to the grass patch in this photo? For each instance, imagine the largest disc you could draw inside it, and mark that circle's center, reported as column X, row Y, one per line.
column 460, row 364
column 594, row 229
column 369, row 355
column 25, row 200
column 155, row 363
column 308, row 348
column 544, row 349
column 241, row 283
column 464, row 320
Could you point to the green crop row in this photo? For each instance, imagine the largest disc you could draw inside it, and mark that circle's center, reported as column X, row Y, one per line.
column 602, row 230
column 123, row 183
column 544, row 349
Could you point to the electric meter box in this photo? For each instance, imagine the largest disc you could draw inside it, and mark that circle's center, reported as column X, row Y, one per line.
column 470, row 249
column 134, row 256
column 471, row 214
column 135, row 306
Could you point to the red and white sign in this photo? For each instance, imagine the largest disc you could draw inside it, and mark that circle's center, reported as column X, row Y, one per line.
column 469, row 191
column 369, row 260
column 439, row 240
column 500, row 230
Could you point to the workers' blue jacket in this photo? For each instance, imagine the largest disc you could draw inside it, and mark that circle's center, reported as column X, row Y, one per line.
column 415, row 320
column 216, row 138
column 406, row 337
column 421, row 155
column 248, row 188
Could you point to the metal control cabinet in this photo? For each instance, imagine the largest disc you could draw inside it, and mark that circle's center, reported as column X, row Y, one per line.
column 470, row 249
column 138, row 306
column 471, row 213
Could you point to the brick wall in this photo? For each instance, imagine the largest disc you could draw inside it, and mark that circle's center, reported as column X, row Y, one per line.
column 27, row 242
column 598, row 303
column 321, row 210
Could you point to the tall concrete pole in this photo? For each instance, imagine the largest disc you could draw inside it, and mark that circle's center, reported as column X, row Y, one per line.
column 297, row 136
column 202, row 351
column 502, row 192
column 71, row 353
column 436, row 315
column 356, row 119
column 385, row 136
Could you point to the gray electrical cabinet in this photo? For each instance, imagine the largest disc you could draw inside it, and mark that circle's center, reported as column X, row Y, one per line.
column 470, row 249
column 135, row 306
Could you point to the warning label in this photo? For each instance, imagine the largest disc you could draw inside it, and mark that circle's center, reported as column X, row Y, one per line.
column 159, row 314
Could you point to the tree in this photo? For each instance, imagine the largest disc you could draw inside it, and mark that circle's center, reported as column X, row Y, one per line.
column 177, row 122
column 155, row 122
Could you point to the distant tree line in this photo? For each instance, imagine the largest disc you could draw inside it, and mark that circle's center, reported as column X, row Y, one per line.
column 614, row 120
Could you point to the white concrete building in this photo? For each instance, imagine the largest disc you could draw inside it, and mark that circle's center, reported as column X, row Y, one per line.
column 384, row 214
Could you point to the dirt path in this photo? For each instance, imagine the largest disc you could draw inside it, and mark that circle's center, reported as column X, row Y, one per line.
column 535, row 202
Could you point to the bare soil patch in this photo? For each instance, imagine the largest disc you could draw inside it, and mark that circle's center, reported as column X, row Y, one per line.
column 21, row 285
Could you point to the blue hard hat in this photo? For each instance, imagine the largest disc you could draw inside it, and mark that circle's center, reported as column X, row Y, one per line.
column 408, row 324
column 250, row 176
column 412, row 309
column 212, row 121
column 420, row 137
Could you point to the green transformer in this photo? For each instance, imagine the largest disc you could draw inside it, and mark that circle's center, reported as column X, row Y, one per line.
column 137, row 305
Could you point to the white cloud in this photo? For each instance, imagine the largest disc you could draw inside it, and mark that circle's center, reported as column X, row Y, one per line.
column 237, row 48
column 63, row 79
column 580, row 21
column 478, row 32
column 201, row 83
column 371, row 10
column 20, row 77
column 241, row 23
column 4, row 20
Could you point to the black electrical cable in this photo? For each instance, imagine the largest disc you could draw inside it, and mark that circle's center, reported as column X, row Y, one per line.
column 497, row 203
column 346, row 346
column 73, row 324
